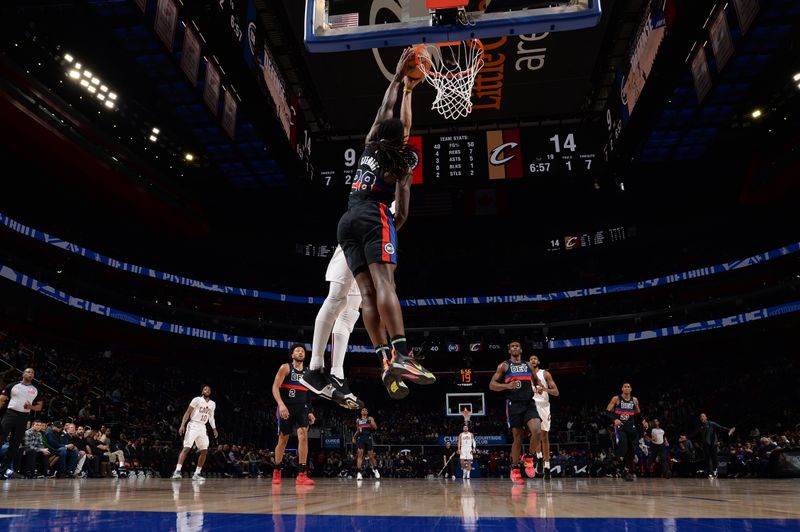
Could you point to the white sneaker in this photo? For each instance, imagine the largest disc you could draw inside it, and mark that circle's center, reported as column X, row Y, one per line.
column 176, row 475
column 377, row 475
column 196, row 476
column 359, row 477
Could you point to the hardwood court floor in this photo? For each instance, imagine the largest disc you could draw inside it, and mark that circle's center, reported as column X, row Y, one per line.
column 394, row 504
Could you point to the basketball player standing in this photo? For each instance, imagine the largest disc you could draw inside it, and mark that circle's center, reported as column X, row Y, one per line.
column 294, row 410
column 622, row 410
column 542, row 401
column 200, row 411
column 363, row 440
column 466, row 446
column 515, row 378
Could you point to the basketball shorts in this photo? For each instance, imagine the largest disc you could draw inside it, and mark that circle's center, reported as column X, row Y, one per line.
column 196, row 434
column 518, row 413
column 298, row 418
column 364, row 443
column 339, row 272
column 367, row 235
column 544, row 414
column 466, row 454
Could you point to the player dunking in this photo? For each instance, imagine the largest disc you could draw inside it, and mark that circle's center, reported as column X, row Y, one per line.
column 367, row 231
column 622, row 410
column 294, row 410
column 542, row 401
column 363, row 440
column 200, row 411
column 515, row 378
column 466, row 446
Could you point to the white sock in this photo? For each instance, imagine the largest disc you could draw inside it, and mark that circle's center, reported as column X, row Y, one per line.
column 178, row 468
column 546, row 464
column 323, row 324
column 468, row 472
column 538, row 455
column 197, row 471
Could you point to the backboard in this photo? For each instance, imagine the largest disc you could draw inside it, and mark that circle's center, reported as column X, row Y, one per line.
column 342, row 25
column 456, row 402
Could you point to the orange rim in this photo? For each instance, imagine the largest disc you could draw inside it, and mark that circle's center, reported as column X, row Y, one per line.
column 420, row 49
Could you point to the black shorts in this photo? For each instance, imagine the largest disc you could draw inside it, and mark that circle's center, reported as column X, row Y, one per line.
column 364, row 443
column 367, row 235
column 518, row 413
column 298, row 418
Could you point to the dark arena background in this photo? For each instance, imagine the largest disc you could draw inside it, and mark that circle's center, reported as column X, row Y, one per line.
column 620, row 201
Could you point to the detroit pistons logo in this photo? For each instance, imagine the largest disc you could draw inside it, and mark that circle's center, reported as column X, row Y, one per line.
column 389, row 248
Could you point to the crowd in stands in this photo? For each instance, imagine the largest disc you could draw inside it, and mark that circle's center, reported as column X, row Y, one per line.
column 108, row 415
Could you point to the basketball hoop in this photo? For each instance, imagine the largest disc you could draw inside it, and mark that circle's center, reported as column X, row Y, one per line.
column 467, row 414
column 451, row 68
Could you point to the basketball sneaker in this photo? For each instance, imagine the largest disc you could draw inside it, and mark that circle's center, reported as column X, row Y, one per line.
column 396, row 387
column 404, row 366
column 377, row 474
column 276, row 476
column 317, row 383
column 342, row 395
column 530, row 468
column 176, row 475
column 547, row 474
column 303, row 480
column 196, row 477
column 359, row 476
column 516, row 476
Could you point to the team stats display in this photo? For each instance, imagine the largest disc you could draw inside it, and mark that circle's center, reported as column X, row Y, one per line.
column 541, row 153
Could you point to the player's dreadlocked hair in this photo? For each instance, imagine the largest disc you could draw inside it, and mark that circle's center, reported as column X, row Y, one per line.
column 395, row 155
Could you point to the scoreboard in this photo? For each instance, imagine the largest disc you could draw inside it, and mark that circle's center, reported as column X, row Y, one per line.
column 476, row 157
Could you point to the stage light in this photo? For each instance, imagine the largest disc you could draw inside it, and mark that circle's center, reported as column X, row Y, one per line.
column 95, row 81
column 153, row 138
column 109, row 104
column 74, row 74
column 756, row 114
column 112, row 95
column 101, row 96
column 91, row 89
column 84, row 83
column 103, row 88
column 188, row 156
column 87, row 73
column 68, row 58
column 796, row 77
column 156, row 131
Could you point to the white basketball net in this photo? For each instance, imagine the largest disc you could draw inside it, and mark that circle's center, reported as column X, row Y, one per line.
column 467, row 414
column 452, row 72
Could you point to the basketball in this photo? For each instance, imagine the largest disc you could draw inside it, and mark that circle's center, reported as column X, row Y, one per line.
column 411, row 69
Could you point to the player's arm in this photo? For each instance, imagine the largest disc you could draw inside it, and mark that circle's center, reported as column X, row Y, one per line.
column 283, row 371
column 551, row 387
column 386, row 110
column 405, row 105
column 372, row 423
column 213, row 423
column 186, row 416
column 497, row 384
column 402, row 198
column 610, row 410
column 638, row 410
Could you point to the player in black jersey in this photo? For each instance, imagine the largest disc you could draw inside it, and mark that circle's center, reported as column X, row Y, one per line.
column 517, row 379
column 363, row 439
column 622, row 410
column 294, row 410
column 367, row 233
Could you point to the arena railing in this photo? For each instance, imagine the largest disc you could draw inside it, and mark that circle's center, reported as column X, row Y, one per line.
column 205, row 334
column 696, row 273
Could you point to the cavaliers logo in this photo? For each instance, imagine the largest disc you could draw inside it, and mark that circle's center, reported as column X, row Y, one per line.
column 389, row 248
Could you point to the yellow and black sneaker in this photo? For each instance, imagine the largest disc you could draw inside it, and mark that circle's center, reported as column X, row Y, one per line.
column 405, row 367
column 395, row 386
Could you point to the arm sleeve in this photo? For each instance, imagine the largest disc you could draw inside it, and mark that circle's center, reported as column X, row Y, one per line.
column 211, row 420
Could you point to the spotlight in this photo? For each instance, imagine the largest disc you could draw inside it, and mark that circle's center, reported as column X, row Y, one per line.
column 153, row 138
column 74, row 74
column 69, row 58
column 112, row 95
column 91, row 89
column 87, row 73
column 78, row 66
column 796, row 77
column 156, row 131
column 84, row 83
column 95, row 81
column 109, row 104
column 756, row 114
column 101, row 96
column 103, row 88
column 188, row 156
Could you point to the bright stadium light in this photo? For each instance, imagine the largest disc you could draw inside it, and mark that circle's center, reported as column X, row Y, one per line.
column 91, row 89
column 156, row 131
column 69, row 58
column 95, row 81
column 74, row 74
column 87, row 73
column 84, row 83
column 103, row 88
column 153, row 138
column 101, row 96
column 756, row 114
column 796, row 77
column 112, row 95
column 188, row 156
column 109, row 104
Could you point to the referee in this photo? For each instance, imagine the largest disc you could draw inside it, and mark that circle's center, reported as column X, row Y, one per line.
column 21, row 399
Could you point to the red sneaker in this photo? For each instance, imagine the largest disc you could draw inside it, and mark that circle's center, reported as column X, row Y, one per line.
column 516, row 476
column 303, row 480
column 276, row 476
column 530, row 468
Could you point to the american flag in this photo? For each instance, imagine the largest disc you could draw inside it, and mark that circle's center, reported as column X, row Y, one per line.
column 346, row 20
column 431, row 203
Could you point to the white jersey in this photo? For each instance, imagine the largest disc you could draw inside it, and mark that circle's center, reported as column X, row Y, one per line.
column 541, row 399
column 467, row 442
column 203, row 411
